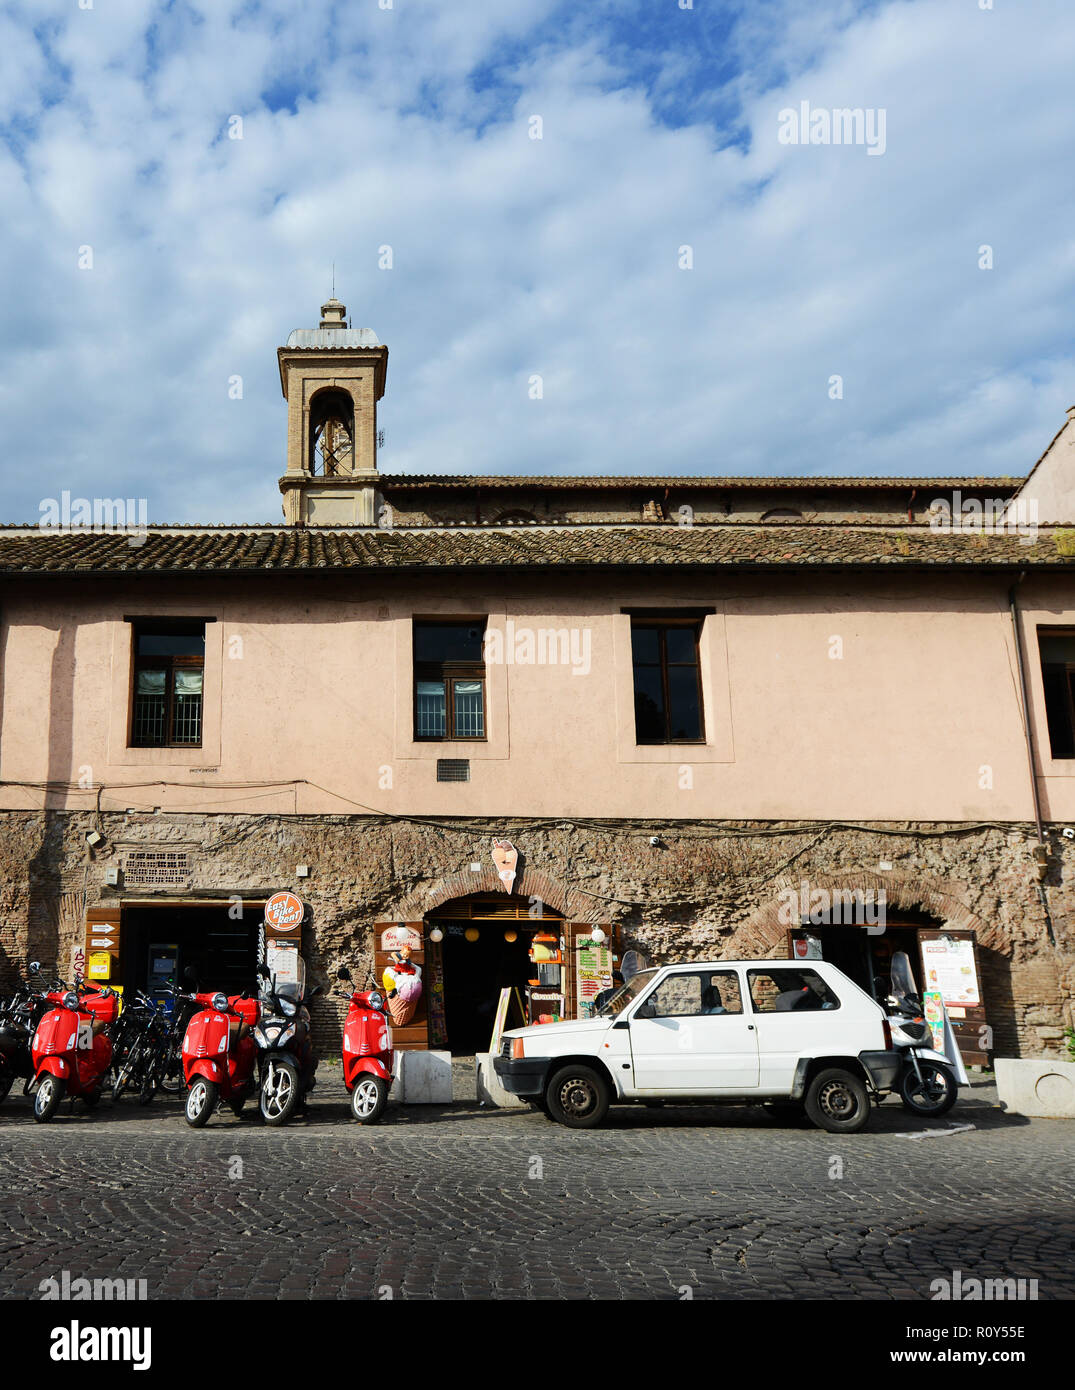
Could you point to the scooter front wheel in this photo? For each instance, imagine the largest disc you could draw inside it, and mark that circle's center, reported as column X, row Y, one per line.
column 369, row 1098
column 935, row 1094
column 280, row 1092
column 47, row 1098
column 201, row 1101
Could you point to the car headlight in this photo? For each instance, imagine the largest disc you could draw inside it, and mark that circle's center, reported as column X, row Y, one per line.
column 288, row 1007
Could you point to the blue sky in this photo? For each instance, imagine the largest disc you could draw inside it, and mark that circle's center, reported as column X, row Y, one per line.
column 410, row 127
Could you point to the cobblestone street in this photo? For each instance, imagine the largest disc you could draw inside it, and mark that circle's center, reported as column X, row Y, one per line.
column 460, row 1202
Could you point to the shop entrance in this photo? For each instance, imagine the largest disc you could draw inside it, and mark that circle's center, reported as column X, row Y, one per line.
column 485, row 947
column 159, row 943
column 944, row 961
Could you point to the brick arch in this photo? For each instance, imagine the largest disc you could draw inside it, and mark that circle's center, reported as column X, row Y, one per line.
column 531, row 883
column 763, row 932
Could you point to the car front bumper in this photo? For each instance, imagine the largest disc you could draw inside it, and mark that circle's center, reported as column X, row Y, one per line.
column 522, row 1076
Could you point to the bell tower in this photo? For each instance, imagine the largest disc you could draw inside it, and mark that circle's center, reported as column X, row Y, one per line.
column 332, row 377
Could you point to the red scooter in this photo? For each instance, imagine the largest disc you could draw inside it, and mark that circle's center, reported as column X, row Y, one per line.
column 71, row 1050
column 367, row 1053
column 219, row 1055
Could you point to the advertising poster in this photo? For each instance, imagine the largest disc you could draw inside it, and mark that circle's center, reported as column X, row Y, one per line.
column 949, row 968
column 593, row 973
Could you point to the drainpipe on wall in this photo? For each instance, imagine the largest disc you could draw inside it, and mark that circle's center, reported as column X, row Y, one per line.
column 1041, row 851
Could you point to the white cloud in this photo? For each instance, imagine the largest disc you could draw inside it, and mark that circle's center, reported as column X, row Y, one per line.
column 515, row 256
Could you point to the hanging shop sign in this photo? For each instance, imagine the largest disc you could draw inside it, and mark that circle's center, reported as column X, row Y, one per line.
column 284, row 913
column 505, row 858
column 395, row 938
column 948, row 964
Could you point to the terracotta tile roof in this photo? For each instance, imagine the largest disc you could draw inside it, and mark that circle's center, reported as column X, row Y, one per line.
column 202, row 549
column 448, row 481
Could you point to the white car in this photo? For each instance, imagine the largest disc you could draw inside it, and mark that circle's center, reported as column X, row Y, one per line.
column 796, row 1036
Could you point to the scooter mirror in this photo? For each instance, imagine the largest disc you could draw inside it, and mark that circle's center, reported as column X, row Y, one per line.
column 35, row 966
column 190, row 975
column 343, row 974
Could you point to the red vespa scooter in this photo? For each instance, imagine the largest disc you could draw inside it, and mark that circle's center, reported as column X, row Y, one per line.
column 367, row 1053
column 219, row 1055
column 71, row 1050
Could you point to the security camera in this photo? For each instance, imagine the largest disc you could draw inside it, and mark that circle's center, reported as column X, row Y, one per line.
column 1068, row 833
column 655, row 840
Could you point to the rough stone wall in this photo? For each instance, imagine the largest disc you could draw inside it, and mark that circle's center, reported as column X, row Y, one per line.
column 705, row 889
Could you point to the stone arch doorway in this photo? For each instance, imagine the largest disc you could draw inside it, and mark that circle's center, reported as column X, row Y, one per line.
column 476, row 946
column 889, row 913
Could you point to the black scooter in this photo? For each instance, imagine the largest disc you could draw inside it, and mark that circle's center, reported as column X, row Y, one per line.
column 286, row 1061
column 19, row 1017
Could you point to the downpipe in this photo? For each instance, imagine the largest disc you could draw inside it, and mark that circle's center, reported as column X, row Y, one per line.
column 1034, row 792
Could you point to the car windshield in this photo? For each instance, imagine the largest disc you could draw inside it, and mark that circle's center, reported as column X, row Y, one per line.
column 623, row 997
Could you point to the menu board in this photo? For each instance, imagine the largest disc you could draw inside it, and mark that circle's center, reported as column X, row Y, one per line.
column 948, row 966
column 593, row 973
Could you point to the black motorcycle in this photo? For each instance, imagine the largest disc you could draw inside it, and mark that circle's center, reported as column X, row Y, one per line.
column 19, row 1017
column 286, row 1062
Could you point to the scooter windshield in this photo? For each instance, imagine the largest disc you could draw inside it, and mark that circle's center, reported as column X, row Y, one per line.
column 902, row 979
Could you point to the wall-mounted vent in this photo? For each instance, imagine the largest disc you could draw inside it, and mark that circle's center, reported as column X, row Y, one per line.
column 168, row 868
column 453, row 769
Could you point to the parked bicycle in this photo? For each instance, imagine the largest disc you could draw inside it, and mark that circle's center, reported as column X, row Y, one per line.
column 139, row 1066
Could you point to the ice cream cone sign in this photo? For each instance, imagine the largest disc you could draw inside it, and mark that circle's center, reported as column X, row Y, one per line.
column 505, row 857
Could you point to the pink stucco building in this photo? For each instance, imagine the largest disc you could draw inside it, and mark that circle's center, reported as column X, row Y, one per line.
column 686, row 702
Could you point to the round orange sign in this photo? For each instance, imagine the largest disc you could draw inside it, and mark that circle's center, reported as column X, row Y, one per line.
column 284, row 912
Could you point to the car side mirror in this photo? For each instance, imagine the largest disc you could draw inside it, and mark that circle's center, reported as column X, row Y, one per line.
column 646, row 1011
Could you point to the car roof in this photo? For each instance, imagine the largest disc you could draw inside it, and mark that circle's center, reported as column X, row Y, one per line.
column 784, row 962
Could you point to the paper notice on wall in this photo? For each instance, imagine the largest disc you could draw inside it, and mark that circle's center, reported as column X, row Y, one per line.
column 948, row 965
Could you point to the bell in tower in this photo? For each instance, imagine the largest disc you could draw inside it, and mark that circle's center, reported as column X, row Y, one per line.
column 332, row 377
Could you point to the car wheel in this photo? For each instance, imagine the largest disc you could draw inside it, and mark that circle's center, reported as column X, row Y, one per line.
column 578, row 1097
column 837, row 1101
column 935, row 1094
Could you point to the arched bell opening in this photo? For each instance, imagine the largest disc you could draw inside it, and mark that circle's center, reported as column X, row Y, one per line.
column 332, row 433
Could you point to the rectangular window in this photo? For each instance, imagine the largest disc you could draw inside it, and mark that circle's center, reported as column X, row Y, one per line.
column 169, row 670
column 682, row 996
column 449, row 680
column 789, row 991
column 1057, row 649
column 668, row 681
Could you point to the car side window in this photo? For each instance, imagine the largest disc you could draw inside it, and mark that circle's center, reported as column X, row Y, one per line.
column 693, row 995
column 789, row 991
